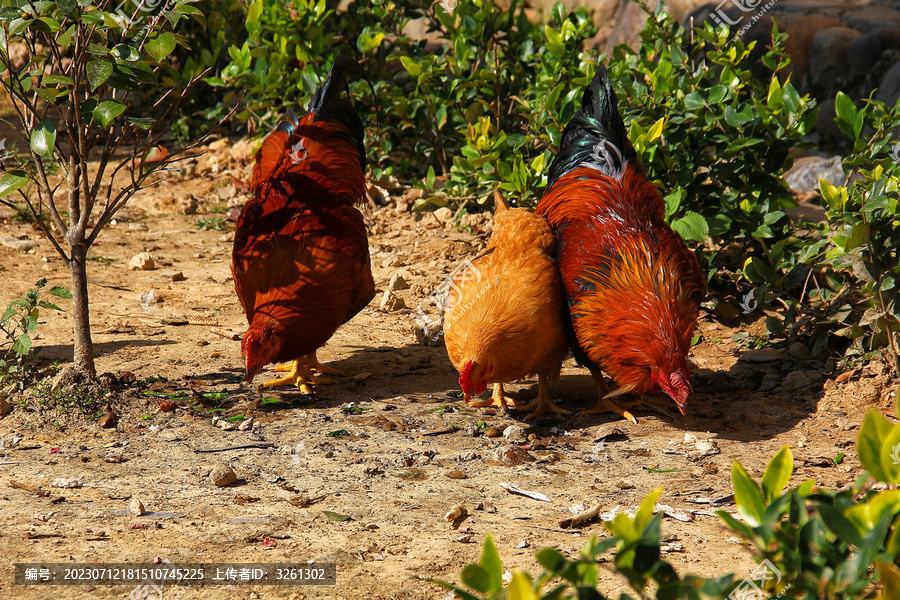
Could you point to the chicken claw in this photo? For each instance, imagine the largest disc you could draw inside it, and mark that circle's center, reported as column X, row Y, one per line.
column 616, row 406
column 542, row 403
column 299, row 375
column 498, row 399
column 313, row 364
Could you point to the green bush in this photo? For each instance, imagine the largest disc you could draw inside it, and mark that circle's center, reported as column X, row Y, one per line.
column 812, row 543
column 17, row 324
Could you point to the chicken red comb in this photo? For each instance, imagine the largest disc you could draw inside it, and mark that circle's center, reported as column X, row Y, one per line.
column 464, row 378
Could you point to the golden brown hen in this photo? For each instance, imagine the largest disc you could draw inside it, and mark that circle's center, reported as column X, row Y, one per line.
column 503, row 317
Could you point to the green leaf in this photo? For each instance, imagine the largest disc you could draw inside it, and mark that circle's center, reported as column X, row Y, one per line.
column 411, row 66
column 161, row 46
column 126, row 53
column 872, row 436
column 336, row 516
column 476, row 578
column 490, row 562
column 890, row 456
column 98, row 71
column 11, row 181
column 107, row 111
column 644, row 513
column 846, row 113
column 777, row 474
column 22, row 345
column 747, row 496
column 43, row 138
column 692, row 226
column 60, row 292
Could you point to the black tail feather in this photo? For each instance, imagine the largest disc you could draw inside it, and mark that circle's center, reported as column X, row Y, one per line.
column 595, row 136
column 327, row 104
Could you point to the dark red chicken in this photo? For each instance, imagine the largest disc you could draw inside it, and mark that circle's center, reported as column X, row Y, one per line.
column 301, row 257
column 633, row 286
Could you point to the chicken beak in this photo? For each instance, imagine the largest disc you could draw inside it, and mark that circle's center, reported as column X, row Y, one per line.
column 682, row 406
column 466, row 397
column 248, row 375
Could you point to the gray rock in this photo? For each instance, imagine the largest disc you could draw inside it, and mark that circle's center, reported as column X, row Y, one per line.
column 17, row 244
column 796, row 380
column 866, row 50
column 760, row 355
column 889, row 88
column 828, row 57
column 805, row 174
column 771, row 380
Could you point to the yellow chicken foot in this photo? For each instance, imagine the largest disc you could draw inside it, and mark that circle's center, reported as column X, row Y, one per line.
column 313, row 364
column 542, row 403
column 299, row 375
column 498, row 399
column 610, row 405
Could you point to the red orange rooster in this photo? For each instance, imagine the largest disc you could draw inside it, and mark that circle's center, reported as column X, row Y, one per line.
column 301, row 257
column 633, row 286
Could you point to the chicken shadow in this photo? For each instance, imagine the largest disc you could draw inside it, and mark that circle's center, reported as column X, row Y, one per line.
column 729, row 403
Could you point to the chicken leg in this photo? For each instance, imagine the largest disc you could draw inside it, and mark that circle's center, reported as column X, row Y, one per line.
column 608, row 403
column 498, row 399
column 301, row 375
column 542, row 403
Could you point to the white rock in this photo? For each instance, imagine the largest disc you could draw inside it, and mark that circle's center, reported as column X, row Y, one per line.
column 136, row 507
column 142, row 262
column 391, row 302
column 398, row 282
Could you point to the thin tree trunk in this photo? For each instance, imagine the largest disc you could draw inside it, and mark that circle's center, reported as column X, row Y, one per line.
column 84, row 346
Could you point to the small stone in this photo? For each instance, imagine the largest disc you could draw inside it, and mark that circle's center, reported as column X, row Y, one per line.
column 228, row 192
column 624, row 484
column 138, row 227
column 457, row 475
column 219, row 144
column 391, row 302
column 5, row 407
column 136, row 507
column 770, row 381
column 397, row 282
column 429, row 331
column 760, row 355
column 222, row 475
column 796, row 380
column 512, row 455
column 172, row 275
column 797, row 350
column 142, row 262
column 493, row 432
column 515, row 433
column 444, row 215
column 17, row 244
column 804, row 175
column 150, row 298
column 227, row 237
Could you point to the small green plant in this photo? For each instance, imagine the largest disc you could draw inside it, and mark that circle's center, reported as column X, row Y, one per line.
column 17, row 325
column 811, row 542
column 86, row 400
column 210, row 223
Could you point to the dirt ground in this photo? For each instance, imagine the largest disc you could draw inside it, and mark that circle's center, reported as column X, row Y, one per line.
column 378, row 445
